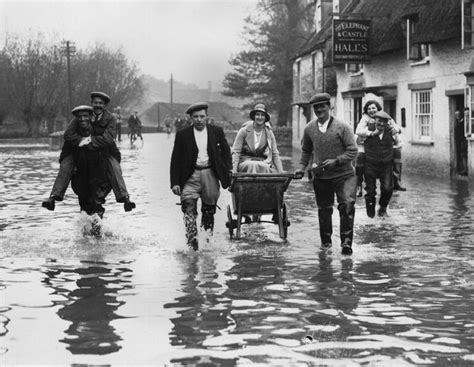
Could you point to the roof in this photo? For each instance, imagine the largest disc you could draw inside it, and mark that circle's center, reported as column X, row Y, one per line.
column 220, row 111
column 437, row 20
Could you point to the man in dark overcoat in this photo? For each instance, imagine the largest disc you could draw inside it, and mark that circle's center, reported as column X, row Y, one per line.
column 201, row 159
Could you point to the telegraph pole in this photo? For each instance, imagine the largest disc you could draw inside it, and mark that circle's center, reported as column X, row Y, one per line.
column 171, row 96
column 68, row 50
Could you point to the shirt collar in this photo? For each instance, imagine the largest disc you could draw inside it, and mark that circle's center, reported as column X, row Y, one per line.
column 97, row 117
column 324, row 123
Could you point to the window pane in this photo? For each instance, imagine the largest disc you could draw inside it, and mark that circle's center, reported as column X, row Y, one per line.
column 423, row 117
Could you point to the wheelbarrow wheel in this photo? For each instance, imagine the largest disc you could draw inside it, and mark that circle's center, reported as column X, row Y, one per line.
column 230, row 223
column 284, row 218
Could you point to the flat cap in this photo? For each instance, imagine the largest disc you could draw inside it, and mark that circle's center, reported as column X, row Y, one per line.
column 102, row 95
column 82, row 108
column 196, row 107
column 383, row 115
column 319, row 98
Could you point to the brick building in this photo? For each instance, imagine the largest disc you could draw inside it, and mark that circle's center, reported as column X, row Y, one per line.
column 421, row 71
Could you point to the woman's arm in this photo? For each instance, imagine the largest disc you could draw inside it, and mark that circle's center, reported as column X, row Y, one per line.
column 362, row 129
column 237, row 148
column 275, row 153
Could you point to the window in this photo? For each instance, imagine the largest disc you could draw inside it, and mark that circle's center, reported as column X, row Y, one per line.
column 467, row 24
column 298, row 78
column 415, row 51
column 469, row 113
column 354, row 68
column 352, row 111
column 313, row 71
column 423, row 115
column 419, row 51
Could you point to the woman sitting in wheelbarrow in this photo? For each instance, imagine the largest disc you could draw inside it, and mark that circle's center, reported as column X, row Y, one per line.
column 255, row 149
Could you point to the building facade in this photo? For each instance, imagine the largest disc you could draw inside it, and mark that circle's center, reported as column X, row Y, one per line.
column 421, row 72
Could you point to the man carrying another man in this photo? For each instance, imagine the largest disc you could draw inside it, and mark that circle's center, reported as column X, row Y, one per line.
column 102, row 138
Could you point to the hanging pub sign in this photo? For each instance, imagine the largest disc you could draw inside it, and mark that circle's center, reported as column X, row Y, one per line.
column 351, row 41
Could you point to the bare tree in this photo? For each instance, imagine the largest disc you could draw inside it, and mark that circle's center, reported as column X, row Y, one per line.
column 108, row 71
column 34, row 80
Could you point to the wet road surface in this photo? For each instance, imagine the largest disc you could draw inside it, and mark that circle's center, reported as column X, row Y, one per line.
column 138, row 296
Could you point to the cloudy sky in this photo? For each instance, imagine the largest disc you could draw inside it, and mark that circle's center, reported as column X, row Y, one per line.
column 191, row 39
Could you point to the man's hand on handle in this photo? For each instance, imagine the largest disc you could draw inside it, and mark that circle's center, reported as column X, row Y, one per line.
column 298, row 174
column 176, row 190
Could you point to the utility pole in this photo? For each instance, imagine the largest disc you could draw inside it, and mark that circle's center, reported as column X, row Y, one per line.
column 171, row 96
column 158, row 114
column 68, row 50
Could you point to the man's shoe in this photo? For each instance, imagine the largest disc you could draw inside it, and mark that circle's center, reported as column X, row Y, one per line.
column 128, row 205
column 49, row 203
column 326, row 246
column 399, row 188
column 382, row 211
column 346, row 249
column 194, row 244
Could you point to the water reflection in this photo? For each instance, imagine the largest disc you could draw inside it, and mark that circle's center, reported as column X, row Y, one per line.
column 405, row 297
column 203, row 311
column 91, row 305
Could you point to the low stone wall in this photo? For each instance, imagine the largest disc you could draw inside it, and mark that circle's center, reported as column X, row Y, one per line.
column 283, row 136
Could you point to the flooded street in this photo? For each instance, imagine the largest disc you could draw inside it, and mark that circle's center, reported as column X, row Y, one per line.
column 139, row 296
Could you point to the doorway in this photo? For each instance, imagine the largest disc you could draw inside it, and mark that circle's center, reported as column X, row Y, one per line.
column 458, row 141
column 390, row 106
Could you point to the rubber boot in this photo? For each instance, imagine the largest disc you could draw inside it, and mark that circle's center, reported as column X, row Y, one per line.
column 346, row 214
column 325, row 226
column 49, row 203
column 191, row 231
column 188, row 207
column 360, row 179
column 370, row 207
column 207, row 219
column 397, row 177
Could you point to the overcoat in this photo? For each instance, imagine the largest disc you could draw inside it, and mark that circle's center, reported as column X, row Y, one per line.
column 185, row 153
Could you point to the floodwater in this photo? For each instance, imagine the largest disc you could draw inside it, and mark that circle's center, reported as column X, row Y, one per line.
column 138, row 296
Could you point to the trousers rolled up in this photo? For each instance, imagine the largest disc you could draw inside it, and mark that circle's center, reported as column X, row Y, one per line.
column 345, row 190
column 383, row 172
column 202, row 184
column 63, row 178
column 115, row 176
column 397, row 167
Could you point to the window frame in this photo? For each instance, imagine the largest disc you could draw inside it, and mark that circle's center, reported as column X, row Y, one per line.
column 468, row 113
column 417, row 53
column 298, row 77
column 314, row 80
column 352, row 110
column 419, row 113
column 467, row 18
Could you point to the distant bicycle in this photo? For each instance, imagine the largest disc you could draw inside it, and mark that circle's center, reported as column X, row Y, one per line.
column 135, row 142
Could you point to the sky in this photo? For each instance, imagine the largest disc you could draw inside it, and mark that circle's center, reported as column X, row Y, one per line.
column 191, row 39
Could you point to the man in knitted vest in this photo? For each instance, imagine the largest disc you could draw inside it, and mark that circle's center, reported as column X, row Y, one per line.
column 379, row 157
column 332, row 144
